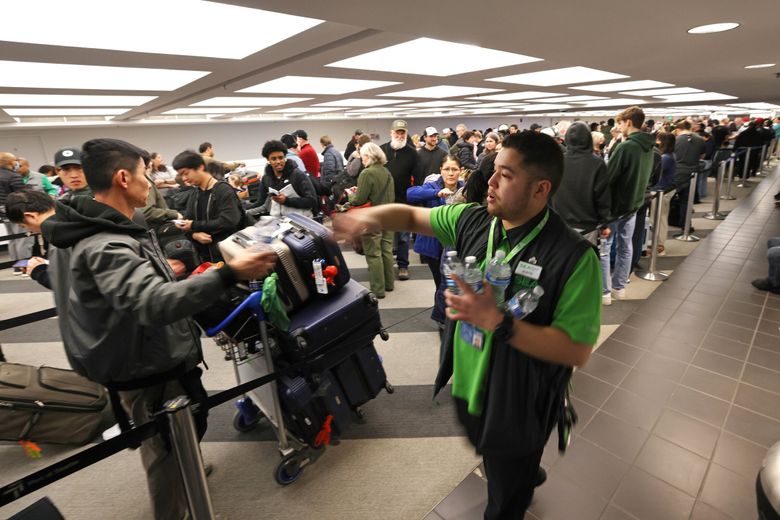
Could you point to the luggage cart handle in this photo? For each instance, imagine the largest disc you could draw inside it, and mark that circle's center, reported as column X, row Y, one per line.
column 253, row 302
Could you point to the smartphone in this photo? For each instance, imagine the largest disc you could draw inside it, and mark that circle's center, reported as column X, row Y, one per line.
column 178, row 222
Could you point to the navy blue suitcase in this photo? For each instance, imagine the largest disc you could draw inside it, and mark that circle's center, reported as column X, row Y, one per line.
column 362, row 376
column 307, row 403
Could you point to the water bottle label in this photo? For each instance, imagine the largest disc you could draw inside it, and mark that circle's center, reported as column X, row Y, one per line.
column 529, row 270
column 492, row 280
column 452, row 286
column 472, row 335
column 477, row 287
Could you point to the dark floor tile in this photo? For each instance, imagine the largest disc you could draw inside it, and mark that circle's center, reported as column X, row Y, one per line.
column 620, row 351
column 758, row 400
column 466, row 501
column 582, row 458
column 585, row 413
column 755, row 298
column 735, row 318
column 725, row 346
column 632, row 336
column 645, row 323
column 687, row 432
column 729, row 492
column 648, row 385
column 606, row 369
column 772, row 303
column 683, row 334
column 580, row 504
column 634, row 409
column 615, row 436
column 700, row 309
column 702, row 511
column 723, row 365
column 710, row 383
column 661, row 366
column 689, row 321
column 771, row 328
column 645, row 496
column 613, row 512
column 698, row 297
column 762, row 378
column 771, row 314
column 752, row 426
column 674, row 465
column 764, row 358
column 767, row 342
column 590, row 389
column 732, row 332
column 739, row 455
column 433, row 516
column 680, row 350
column 742, row 308
column 699, row 406
column 648, row 309
column 713, row 289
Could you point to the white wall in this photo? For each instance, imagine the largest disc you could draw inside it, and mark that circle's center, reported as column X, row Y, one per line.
column 232, row 141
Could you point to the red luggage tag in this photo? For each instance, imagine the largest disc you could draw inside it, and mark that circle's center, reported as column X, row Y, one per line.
column 31, row 449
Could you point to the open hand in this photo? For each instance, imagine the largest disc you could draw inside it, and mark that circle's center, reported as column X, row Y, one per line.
column 201, row 237
column 253, row 265
column 184, row 225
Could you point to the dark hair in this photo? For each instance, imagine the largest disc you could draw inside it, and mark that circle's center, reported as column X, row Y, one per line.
column 477, row 185
column 452, row 157
column 514, row 126
column 204, row 146
column 667, row 141
column 102, row 158
column 188, row 159
column 634, row 114
column 468, row 134
column 216, row 170
column 611, row 122
column 540, row 154
column 20, row 202
column 46, row 169
column 161, row 167
column 273, row 146
column 594, row 127
column 682, row 124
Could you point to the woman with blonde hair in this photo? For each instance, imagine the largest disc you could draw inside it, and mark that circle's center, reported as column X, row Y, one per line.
column 375, row 185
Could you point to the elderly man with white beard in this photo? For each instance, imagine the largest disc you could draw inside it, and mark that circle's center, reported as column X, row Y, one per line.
column 404, row 163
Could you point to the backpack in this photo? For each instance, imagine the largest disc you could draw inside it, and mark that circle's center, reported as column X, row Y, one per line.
column 176, row 246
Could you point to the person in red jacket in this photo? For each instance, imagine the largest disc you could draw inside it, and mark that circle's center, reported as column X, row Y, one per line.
column 307, row 153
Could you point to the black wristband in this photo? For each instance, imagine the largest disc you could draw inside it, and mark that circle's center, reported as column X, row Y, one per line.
column 505, row 329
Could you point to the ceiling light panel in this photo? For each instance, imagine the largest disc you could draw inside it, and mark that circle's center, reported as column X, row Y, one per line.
column 360, row 102
column 565, row 76
column 374, row 110
column 31, row 112
column 626, row 102
column 544, row 106
column 704, row 96
column 517, row 96
column 248, row 101
column 443, row 91
column 245, row 38
column 487, row 105
column 624, row 85
column 663, row 91
column 44, row 100
column 315, row 85
column 205, row 110
column 96, row 77
column 437, row 104
column 306, row 110
column 471, row 58
column 713, row 28
column 760, row 66
column 578, row 99
column 756, row 106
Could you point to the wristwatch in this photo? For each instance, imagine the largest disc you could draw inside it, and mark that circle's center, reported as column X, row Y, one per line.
column 505, row 329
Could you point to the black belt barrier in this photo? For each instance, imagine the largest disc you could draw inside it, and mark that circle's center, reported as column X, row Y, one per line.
column 18, row 321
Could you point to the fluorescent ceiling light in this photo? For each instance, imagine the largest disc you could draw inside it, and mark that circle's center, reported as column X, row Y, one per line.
column 624, row 85
column 251, row 30
column 43, row 100
column 198, row 110
column 31, row 112
column 704, row 96
column 315, row 85
column 760, row 66
column 515, row 96
column 487, row 105
column 94, row 77
column 442, row 91
column 577, row 99
column 436, row 104
column 543, row 106
column 305, row 110
column 713, row 28
column 359, row 102
column 376, row 110
column 248, row 101
column 663, row 91
column 756, row 106
column 478, row 111
column 627, row 102
column 470, row 58
column 565, row 76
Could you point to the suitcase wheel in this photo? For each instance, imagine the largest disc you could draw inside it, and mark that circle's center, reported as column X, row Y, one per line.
column 242, row 424
column 360, row 415
column 384, row 334
column 289, row 469
column 389, row 388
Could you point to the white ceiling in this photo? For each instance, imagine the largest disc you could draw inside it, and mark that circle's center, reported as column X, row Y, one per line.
column 639, row 40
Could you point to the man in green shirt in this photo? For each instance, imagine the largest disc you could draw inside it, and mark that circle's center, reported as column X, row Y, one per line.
column 509, row 376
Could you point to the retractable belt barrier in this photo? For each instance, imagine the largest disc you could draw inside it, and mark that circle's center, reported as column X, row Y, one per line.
column 10, row 263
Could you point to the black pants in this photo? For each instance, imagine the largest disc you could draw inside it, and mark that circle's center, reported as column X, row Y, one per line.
column 510, row 485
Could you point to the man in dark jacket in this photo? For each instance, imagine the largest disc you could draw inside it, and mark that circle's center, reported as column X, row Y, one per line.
column 124, row 319
column 284, row 188
column 431, row 155
column 404, row 163
column 332, row 161
column 352, row 144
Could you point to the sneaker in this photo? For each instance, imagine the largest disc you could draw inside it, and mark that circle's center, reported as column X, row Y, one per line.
column 762, row 284
column 18, row 271
column 403, row 273
column 619, row 294
column 606, row 299
column 541, row 477
column 661, row 251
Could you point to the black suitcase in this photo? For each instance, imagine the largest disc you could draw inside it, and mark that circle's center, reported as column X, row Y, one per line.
column 361, row 376
column 307, row 403
column 42, row 509
column 346, row 321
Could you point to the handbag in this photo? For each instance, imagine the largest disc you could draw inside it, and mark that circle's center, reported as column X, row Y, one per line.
column 357, row 242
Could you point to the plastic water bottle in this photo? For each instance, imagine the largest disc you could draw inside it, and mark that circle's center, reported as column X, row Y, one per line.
column 499, row 275
column 452, row 265
column 472, row 275
column 524, row 302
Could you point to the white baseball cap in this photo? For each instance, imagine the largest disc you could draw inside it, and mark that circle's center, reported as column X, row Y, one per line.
column 431, row 130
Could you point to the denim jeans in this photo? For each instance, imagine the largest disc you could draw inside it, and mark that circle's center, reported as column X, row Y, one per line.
column 624, row 240
column 773, row 255
column 605, row 253
column 402, row 249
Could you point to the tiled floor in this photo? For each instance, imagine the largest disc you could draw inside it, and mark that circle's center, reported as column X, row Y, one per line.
column 678, row 407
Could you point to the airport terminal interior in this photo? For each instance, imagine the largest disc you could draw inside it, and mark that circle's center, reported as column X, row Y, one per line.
column 679, row 402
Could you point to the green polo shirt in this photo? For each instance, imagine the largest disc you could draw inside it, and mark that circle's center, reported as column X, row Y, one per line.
column 578, row 312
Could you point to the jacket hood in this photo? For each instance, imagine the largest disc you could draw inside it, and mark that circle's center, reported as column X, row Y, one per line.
column 579, row 138
column 643, row 139
column 82, row 217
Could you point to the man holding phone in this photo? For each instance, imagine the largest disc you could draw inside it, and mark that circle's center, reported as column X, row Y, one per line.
column 284, row 188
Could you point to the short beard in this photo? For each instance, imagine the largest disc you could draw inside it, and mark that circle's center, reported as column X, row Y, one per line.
column 397, row 144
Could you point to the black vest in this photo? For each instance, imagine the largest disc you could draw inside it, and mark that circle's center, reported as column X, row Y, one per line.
column 524, row 395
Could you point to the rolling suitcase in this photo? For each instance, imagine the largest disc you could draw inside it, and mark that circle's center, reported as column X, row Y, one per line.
column 307, row 403
column 48, row 405
column 361, row 376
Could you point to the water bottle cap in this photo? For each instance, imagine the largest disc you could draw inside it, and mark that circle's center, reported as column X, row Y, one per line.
column 452, row 253
column 538, row 291
column 471, row 259
column 500, row 254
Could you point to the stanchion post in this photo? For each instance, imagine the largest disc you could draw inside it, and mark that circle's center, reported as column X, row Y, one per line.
column 744, row 182
column 715, row 214
column 732, row 162
column 184, row 441
column 282, row 432
column 652, row 273
column 761, row 162
column 686, row 234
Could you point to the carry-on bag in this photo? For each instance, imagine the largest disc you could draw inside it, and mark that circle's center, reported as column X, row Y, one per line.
column 48, row 405
column 361, row 376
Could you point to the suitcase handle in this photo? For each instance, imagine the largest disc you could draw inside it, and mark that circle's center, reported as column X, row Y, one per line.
column 253, row 302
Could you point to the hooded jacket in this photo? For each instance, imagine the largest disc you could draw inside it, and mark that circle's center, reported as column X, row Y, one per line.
column 404, row 165
column 123, row 317
column 303, row 200
column 583, row 198
column 224, row 215
column 629, row 170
